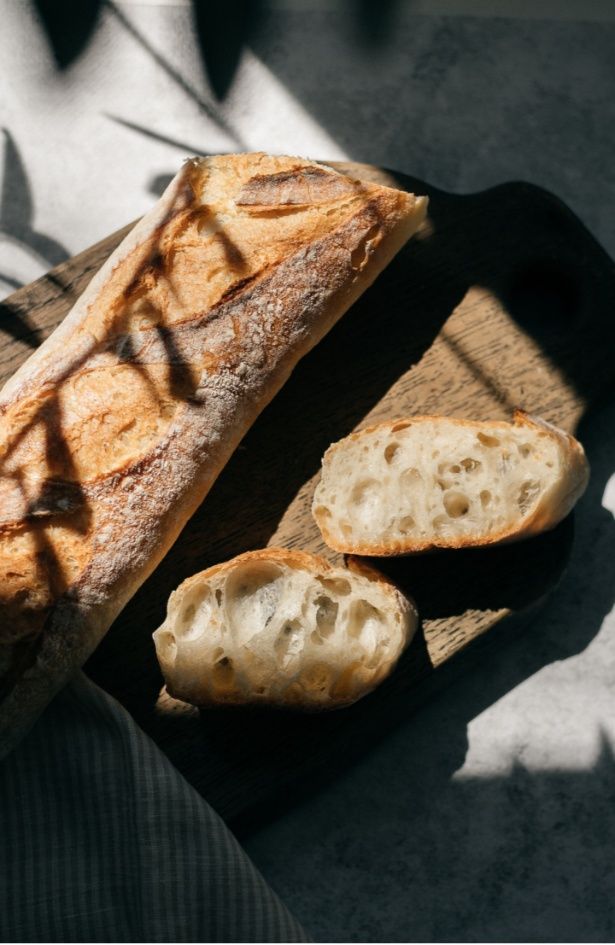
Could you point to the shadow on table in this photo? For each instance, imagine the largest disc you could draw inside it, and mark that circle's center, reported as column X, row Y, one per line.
column 409, row 854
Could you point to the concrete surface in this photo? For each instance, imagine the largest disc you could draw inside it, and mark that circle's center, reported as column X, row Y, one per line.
column 490, row 815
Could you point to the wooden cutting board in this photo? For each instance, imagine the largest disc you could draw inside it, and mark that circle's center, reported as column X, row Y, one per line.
column 503, row 300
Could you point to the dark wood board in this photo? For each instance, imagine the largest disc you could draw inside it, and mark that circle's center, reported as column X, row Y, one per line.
column 503, row 300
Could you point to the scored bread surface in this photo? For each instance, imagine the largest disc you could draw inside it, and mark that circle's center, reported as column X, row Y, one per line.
column 440, row 482
column 282, row 628
column 114, row 430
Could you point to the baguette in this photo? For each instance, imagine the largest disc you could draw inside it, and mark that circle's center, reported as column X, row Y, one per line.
column 282, row 628
column 114, row 430
column 437, row 482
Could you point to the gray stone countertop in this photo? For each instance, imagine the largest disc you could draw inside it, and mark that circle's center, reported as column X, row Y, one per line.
column 490, row 815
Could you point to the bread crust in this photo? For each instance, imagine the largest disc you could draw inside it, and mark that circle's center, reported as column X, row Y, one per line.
column 262, row 679
column 113, row 432
column 572, row 485
column 301, row 560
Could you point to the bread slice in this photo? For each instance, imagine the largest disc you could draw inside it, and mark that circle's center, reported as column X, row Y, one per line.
column 282, row 628
column 112, row 433
column 439, row 482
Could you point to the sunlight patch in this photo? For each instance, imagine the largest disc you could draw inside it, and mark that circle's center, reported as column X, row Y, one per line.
column 499, row 748
column 608, row 498
column 269, row 118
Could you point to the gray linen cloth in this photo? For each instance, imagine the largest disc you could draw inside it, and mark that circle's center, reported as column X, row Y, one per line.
column 102, row 840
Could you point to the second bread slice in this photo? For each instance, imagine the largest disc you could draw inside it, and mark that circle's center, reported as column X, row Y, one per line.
column 282, row 628
column 439, row 482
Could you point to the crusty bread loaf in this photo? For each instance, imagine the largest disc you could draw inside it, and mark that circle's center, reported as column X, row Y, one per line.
column 438, row 482
column 282, row 628
column 114, row 430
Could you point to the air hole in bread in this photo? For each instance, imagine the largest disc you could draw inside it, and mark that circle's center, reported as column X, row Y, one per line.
column 444, row 483
column 322, row 511
column 252, row 596
column 346, row 529
column 410, row 477
column 326, row 615
column 365, row 500
column 455, row 469
column 485, row 498
column 218, row 596
column 487, row 440
column 365, row 492
column 400, row 425
column 364, row 621
column 188, row 614
column 471, row 465
column 194, row 617
column 440, row 522
column 289, row 643
column 168, row 645
column 406, row 524
column 223, row 673
column 528, row 493
column 525, row 449
column 338, row 586
column 391, row 451
column 456, row 504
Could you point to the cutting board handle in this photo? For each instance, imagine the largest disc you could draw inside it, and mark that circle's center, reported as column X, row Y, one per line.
column 548, row 272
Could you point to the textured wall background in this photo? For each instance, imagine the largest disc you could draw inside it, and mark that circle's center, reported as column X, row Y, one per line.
column 490, row 815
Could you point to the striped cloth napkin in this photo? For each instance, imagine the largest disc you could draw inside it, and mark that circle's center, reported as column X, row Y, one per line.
column 102, row 840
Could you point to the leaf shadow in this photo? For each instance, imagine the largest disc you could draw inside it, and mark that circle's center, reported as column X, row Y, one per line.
column 17, row 211
column 207, row 108
column 223, row 28
column 68, row 26
column 16, row 323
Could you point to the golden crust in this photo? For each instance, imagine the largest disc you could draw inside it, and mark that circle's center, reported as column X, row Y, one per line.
column 112, row 433
column 575, row 482
column 301, row 560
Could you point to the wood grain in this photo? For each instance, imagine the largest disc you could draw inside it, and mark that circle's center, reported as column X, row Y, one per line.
column 503, row 300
